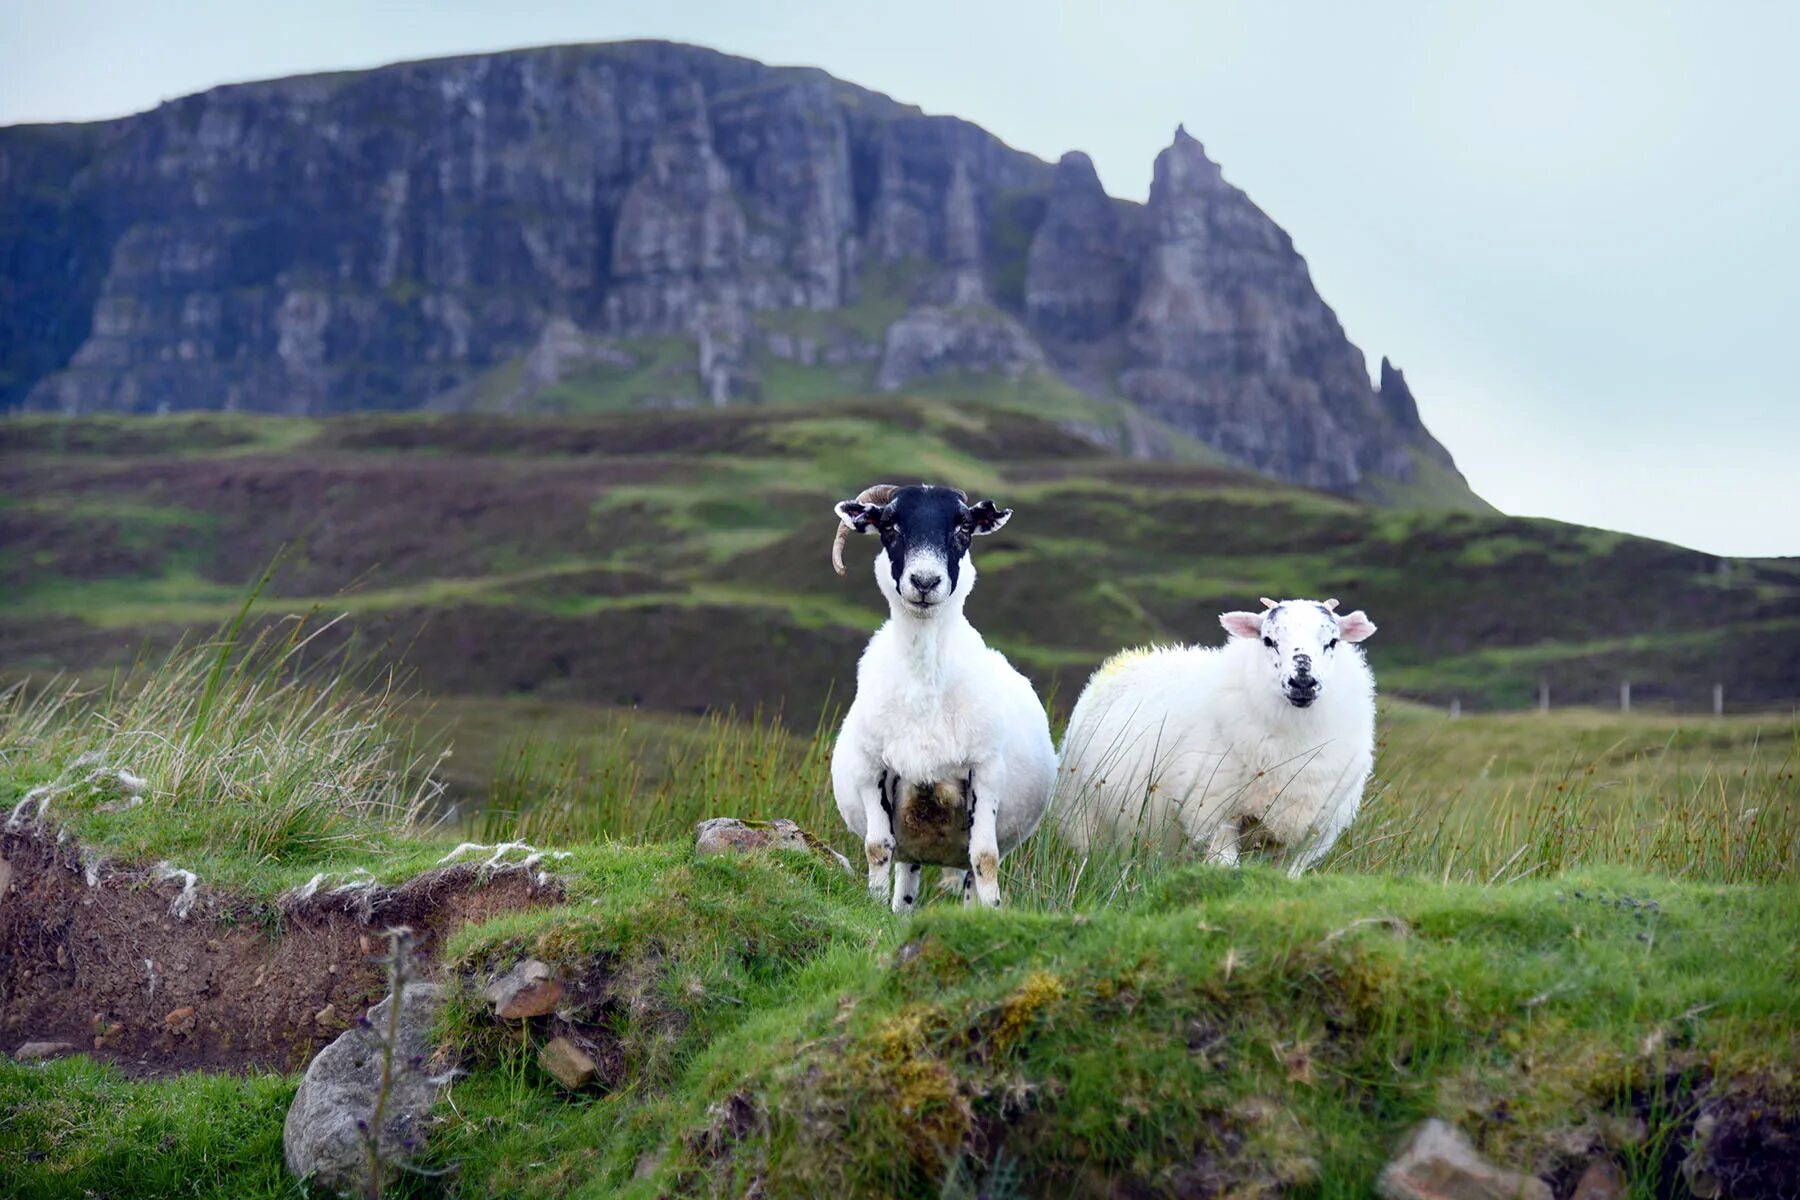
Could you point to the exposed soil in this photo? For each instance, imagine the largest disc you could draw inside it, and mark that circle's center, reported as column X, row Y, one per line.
column 235, row 984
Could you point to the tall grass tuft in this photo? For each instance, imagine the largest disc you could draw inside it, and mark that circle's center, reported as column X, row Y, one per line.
column 619, row 785
column 250, row 749
column 1724, row 811
column 1723, row 819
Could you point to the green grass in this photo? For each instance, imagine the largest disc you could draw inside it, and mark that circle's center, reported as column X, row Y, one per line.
column 121, row 531
column 1131, row 1024
column 75, row 1128
column 255, row 767
column 1542, row 928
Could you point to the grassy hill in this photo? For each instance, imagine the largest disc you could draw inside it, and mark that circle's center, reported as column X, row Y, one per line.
column 676, row 560
column 1573, row 938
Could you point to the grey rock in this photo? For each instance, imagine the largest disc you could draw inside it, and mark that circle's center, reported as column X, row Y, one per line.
column 321, row 1141
column 529, row 989
column 31, row 1051
column 1075, row 274
column 1436, row 1162
column 678, row 243
column 1601, row 1181
column 572, row 1066
column 728, row 835
column 1228, row 339
column 974, row 340
column 1397, row 399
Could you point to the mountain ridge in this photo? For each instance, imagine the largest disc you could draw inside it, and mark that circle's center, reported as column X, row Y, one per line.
column 474, row 230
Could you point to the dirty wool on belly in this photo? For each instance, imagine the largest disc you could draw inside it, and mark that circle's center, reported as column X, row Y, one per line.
column 931, row 823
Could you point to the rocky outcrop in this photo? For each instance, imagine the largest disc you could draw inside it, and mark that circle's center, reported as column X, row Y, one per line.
column 469, row 232
column 971, row 339
column 1228, row 339
column 678, row 241
column 1075, row 274
column 1397, row 399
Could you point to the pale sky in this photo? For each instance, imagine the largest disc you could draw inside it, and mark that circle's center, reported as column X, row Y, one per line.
column 1576, row 226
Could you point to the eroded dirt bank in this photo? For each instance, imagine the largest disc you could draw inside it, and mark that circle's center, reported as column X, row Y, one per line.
column 143, row 968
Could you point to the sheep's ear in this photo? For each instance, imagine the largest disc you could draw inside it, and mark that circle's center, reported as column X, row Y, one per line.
column 1242, row 624
column 1355, row 626
column 986, row 517
column 857, row 516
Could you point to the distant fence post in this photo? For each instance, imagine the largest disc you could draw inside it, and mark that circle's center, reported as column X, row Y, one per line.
column 1718, row 699
column 1543, row 695
column 1455, row 707
column 1625, row 696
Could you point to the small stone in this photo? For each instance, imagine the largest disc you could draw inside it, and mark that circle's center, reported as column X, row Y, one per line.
column 1436, row 1162
column 728, row 835
column 35, row 1050
column 181, row 1020
column 528, row 990
column 1601, row 1181
column 327, row 1017
column 568, row 1062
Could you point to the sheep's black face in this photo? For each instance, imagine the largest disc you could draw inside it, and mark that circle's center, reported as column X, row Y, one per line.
column 925, row 535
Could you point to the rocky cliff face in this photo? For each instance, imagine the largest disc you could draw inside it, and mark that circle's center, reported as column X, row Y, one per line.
column 474, row 230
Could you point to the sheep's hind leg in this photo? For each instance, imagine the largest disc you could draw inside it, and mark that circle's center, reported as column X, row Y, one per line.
column 984, row 843
column 906, row 885
column 878, row 836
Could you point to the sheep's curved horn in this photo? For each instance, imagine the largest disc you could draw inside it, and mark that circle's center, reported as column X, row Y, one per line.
column 1331, row 604
column 1266, row 602
column 880, row 493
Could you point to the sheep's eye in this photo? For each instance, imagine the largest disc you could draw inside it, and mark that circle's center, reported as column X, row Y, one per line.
column 1269, row 642
column 1332, row 644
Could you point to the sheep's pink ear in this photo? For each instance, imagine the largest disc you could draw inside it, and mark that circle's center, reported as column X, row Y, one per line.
column 1355, row 626
column 1242, row 624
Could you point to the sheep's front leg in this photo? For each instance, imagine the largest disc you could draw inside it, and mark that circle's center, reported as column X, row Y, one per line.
column 1222, row 850
column 878, row 836
column 906, row 885
column 984, row 841
column 1330, row 827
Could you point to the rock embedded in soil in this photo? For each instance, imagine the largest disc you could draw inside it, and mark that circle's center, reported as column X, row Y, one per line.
column 728, row 835
column 30, row 1051
column 322, row 1141
column 571, row 1065
column 1601, row 1181
column 528, row 990
column 1436, row 1162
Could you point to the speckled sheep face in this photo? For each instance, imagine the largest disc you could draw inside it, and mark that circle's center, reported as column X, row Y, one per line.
column 1301, row 639
column 925, row 536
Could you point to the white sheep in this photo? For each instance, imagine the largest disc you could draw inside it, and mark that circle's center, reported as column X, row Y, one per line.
column 945, row 756
column 1268, row 739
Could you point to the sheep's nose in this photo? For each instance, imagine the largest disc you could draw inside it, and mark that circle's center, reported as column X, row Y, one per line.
column 1302, row 666
column 925, row 581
